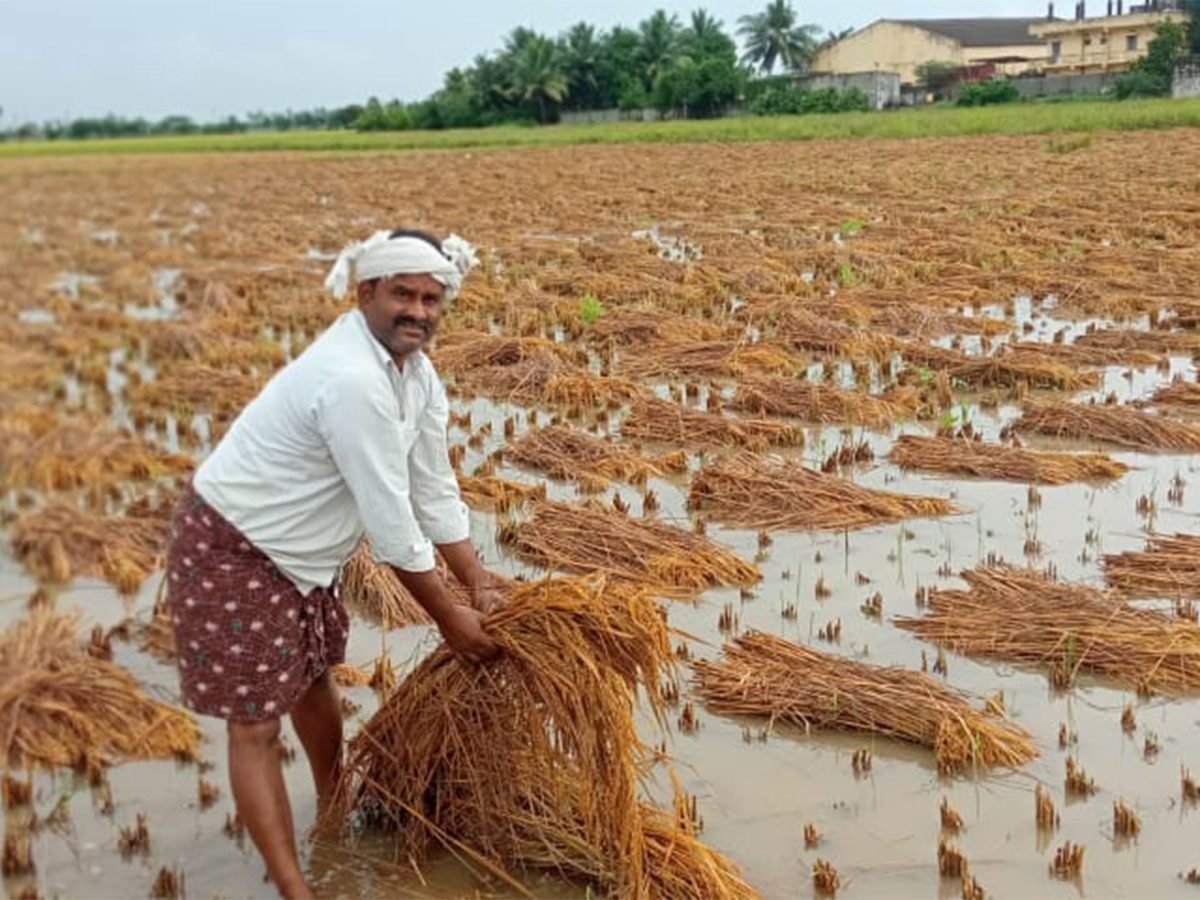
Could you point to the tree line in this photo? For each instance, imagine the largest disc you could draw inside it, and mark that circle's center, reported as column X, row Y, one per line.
column 690, row 68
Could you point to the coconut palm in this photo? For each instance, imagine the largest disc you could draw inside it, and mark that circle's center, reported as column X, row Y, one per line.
column 773, row 35
column 705, row 36
column 537, row 74
column 659, row 45
column 581, row 52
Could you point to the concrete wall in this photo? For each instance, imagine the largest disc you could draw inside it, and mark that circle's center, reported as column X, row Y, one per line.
column 610, row 115
column 1100, row 44
column 1054, row 85
column 882, row 88
column 1187, row 79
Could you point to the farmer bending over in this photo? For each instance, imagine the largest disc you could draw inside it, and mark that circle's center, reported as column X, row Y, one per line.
column 350, row 438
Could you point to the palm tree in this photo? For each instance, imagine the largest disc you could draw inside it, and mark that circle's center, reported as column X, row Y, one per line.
column 581, row 51
column 537, row 73
column 773, row 35
column 706, row 37
column 658, row 45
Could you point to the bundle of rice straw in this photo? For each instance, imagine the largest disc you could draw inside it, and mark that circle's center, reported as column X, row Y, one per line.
column 962, row 456
column 1168, row 567
column 58, row 703
column 1154, row 341
column 812, row 402
column 194, row 387
column 1121, row 426
column 672, row 423
column 764, row 675
column 61, row 542
column 458, row 352
column 494, row 494
column 1178, row 393
column 38, row 450
column 643, row 325
column 373, row 591
column 565, row 452
column 1021, row 616
column 803, row 329
column 592, row 538
column 158, row 634
column 667, row 358
column 755, row 492
column 1076, row 355
column 998, row 370
column 533, row 761
column 547, row 378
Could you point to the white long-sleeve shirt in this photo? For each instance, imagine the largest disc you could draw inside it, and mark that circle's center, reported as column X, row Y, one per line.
column 340, row 442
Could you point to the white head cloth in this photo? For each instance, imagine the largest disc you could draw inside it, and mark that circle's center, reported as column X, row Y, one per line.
column 382, row 257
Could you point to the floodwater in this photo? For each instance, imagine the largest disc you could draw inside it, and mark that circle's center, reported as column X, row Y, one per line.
column 755, row 796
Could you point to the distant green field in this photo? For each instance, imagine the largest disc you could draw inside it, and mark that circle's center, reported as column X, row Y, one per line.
column 1020, row 118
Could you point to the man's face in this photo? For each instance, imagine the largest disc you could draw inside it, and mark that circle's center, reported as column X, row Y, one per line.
column 402, row 311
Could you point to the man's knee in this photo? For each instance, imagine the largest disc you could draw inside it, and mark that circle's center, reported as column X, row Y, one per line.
column 250, row 735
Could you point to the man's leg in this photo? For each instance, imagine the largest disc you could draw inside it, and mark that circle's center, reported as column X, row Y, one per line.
column 317, row 719
column 256, row 773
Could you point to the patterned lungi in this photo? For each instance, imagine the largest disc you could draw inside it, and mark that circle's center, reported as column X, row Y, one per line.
column 249, row 643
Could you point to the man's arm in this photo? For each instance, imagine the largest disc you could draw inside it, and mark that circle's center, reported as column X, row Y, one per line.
column 464, row 563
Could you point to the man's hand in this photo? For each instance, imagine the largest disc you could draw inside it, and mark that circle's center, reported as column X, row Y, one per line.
column 486, row 598
column 462, row 627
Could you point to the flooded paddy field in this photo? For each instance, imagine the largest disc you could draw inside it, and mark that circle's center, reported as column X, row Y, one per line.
column 729, row 341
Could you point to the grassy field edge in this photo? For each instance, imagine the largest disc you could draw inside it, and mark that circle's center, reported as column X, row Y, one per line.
column 1023, row 118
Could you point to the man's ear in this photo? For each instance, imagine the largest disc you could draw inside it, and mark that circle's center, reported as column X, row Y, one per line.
column 363, row 290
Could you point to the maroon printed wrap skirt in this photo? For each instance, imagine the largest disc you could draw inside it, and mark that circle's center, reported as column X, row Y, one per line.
column 249, row 644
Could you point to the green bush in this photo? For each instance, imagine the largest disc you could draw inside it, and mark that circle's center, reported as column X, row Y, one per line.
column 988, row 93
column 780, row 101
column 1137, row 83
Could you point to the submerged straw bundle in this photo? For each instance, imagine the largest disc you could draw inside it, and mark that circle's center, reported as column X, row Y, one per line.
column 458, row 352
column 564, row 452
column 547, row 378
column 494, row 494
column 1168, row 567
column 960, row 456
column 664, row 359
column 60, row 542
column 533, row 761
column 1000, row 370
column 59, row 704
column 753, row 492
column 38, row 450
column 1122, row 426
column 587, row 538
column 1019, row 615
column 671, row 423
column 1178, row 393
column 761, row 674
column 813, row 402
column 373, row 590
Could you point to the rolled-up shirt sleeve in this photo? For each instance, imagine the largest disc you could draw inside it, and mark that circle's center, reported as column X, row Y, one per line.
column 436, row 500
column 359, row 419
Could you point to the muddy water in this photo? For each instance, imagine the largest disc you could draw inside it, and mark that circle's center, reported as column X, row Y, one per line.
column 880, row 830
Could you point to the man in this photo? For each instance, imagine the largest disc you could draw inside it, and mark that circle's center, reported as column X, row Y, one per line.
column 350, row 438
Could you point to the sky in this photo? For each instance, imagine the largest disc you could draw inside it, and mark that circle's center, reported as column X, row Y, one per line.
column 63, row 59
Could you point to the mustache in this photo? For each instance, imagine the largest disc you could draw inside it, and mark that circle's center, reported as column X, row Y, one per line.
column 410, row 322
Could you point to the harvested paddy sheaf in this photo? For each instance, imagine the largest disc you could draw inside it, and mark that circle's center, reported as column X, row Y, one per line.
column 962, row 456
column 487, row 492
column 60, row 704
column 534, row 761
column 591, row 538
column 913, row 320
column 806, row 329
column 564, row 452
column 1021, row 616
column 1122, row 426
column 61, row 542
column 672, row 423
column 672, row 358
column 812, row 402
column 755, row 492
column 373, row 590
column 547, row 378
column 460, row 352
column 651, row 324
column 1168, row 567
column 190, row 388
column 38, row 450
column 1178, row 393
column 1001, row 369
column 764, row 675
column 1155, row 341
column 1076, row 355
